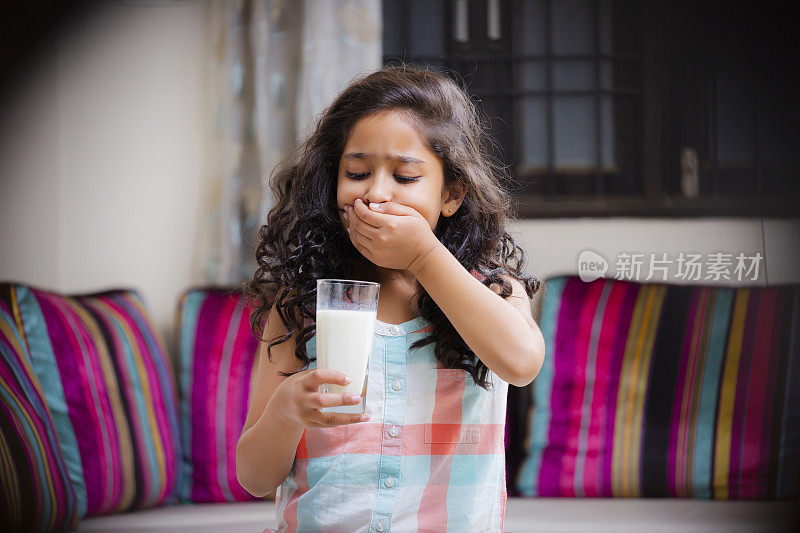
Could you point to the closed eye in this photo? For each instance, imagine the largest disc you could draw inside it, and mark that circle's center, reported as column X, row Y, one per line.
column 362, row 175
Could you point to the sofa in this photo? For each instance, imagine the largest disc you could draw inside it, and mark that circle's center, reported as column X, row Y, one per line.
column 658, row 406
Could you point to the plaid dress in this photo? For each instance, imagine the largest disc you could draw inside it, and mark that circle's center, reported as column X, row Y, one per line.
column 430, row 458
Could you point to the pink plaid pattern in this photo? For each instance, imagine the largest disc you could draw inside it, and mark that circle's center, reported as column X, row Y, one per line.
column 431, row 457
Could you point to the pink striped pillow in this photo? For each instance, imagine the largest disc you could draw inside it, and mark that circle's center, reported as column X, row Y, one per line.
column 35, row 490
column 217, row 361
column 107, row 382
column 659, row 390
column 149, row 394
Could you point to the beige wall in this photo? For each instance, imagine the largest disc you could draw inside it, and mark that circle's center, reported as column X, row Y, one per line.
column 101, row 173
column 101, row 158
column 554, row 245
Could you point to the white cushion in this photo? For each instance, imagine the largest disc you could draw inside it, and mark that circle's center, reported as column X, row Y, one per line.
column 240, row 517
column 523, row 515
column 619, row 515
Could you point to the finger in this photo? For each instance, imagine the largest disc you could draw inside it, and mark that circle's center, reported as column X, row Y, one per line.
column 363, row 244
column 366, row 252
column 377, row 214
column 359, row 226
column 337, row 419
column 361, row 239
column 318, row 400
column 318, row 376
column 364, row 215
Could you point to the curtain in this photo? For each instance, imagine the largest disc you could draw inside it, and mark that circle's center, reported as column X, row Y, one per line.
column 272, row 68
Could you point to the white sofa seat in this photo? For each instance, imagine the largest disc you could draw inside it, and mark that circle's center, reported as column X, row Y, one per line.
column 523, row 515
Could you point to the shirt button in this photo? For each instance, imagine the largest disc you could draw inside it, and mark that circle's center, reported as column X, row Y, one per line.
column 389, row 482
column 396, row 385
column 394, row 330
column 393, row 431
column 380, row 526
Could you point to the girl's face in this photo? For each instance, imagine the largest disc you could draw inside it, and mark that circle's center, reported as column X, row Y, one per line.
column 385, row 160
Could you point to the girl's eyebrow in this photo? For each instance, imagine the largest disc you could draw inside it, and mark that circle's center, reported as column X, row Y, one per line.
column 396, row 157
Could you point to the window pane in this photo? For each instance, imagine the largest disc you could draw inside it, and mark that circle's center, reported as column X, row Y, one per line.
column 392, row 28
column 574, row 132
column 534, row 133
column 533, row 75
column 574, row 74
column 486, row 74
column 437, row 64
column 735, row 126
column 779, row 121
column 426, row 25
column 461, row 21
column 606, row 75
column 531, row 39
column 499, row 127
column 609, row 159
column 778, row 125
column 606, row 27
column 573, row 27
column 685, row 118
column 620, row 150
column 493, row 24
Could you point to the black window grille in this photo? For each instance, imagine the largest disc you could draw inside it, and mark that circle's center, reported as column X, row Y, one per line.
column 616, row 107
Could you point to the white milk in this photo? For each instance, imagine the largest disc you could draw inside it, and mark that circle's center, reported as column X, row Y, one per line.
column 344, row 343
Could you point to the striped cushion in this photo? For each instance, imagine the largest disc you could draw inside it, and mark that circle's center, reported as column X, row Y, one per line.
column 217, row 363
column 149, row 396
column 35, row 490
column 107, row 382
column 666, row 391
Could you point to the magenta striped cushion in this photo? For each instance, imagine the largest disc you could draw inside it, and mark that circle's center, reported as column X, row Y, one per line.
column 666, row 391
column 35, row 490
column 107, row 382
column 217, row 363
column 146, row 378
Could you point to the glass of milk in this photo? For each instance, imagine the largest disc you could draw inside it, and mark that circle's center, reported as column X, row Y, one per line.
column 346, row 313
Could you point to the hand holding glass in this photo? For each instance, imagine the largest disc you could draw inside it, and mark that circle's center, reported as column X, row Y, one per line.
column 346, row 314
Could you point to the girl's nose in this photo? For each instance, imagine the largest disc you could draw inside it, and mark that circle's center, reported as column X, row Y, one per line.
column 379, row 188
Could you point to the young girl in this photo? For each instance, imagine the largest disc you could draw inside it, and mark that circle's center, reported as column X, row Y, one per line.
column 394, row 186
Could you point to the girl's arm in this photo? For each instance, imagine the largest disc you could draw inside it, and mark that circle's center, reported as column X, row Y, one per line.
column 502, row 333
column 266, row 448
column 280, row 410
column 265, row 452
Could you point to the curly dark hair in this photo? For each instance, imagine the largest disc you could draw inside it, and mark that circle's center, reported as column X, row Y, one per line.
column 303, row 240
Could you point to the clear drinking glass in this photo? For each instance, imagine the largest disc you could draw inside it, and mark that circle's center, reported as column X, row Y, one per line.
column 346, row 314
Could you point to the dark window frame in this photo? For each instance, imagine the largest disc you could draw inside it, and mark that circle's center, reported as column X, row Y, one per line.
column 658, row 160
